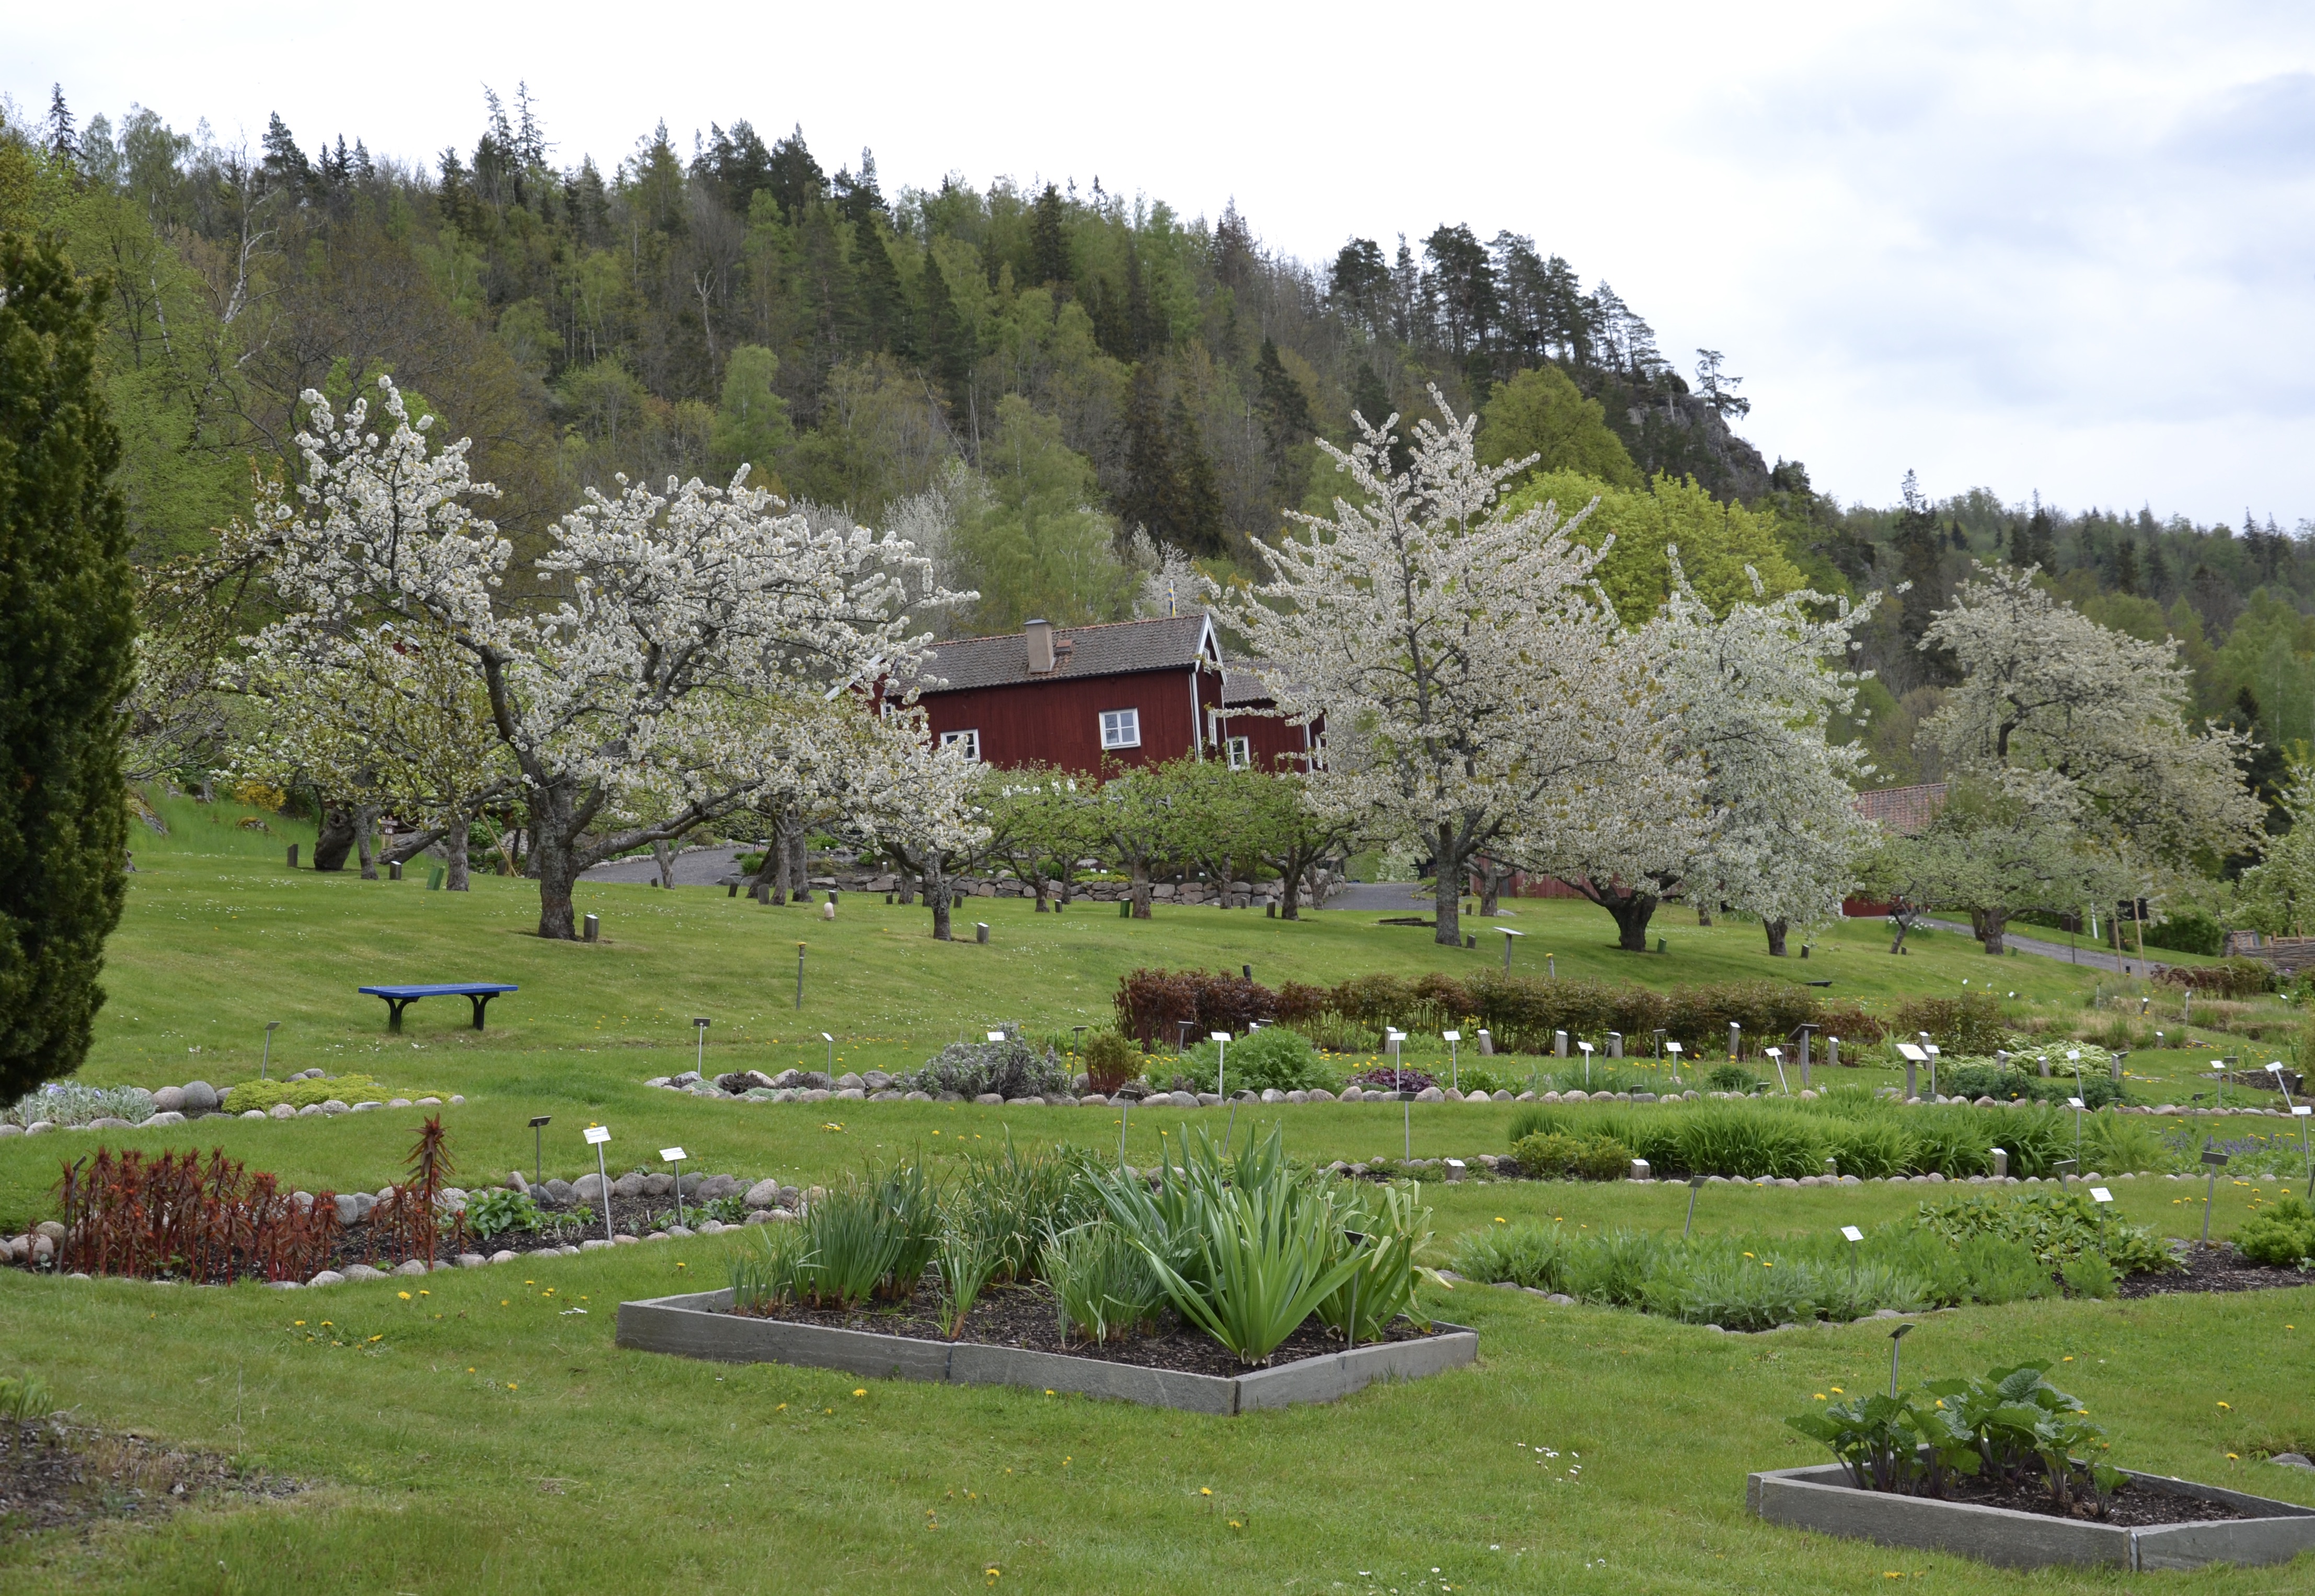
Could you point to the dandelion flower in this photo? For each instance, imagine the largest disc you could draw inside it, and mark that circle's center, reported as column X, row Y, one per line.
column 511, row 1385
column 1820, row 1396
column 1205, row 1490
column 403, row 1295
column 863, row 1391
column 301, row 1322
column 2228, row 1405
column 1837, row 1391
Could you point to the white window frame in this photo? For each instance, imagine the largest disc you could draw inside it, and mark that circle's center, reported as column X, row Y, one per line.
column 970, row 738
column 1241, row 752
column 1121, row 729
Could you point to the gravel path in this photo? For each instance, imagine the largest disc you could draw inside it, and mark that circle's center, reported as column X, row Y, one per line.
column 700, row 867
column 2089, row 958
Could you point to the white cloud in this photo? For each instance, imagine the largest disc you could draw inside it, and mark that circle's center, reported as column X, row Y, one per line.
column 2061, row 247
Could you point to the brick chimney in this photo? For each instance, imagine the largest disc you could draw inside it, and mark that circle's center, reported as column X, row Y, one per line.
column 1040, row 648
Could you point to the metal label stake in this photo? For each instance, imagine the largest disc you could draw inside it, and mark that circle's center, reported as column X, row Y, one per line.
column 597, row 1135
column 538, row 1144
column 1454, row 1039
column 699, row 1061
column 1694, row 1184
column 1221, row 1039
column 2214, row 1161
column 1896, row 1341
column 1854, row 1236
column 676, row 1155
column 267, row 1056
column 799, row 975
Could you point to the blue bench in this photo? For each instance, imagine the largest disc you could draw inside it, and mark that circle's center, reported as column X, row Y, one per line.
column 399, row 998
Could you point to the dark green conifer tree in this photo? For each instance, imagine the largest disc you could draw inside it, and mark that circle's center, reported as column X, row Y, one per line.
column 1049, row 245
column 1285, row 408
column 882, row 304
column 67, row 623
column 1193, row 517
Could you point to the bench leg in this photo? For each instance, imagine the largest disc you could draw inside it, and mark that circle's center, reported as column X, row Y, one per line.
column 394, row 1008
column 481, row 1001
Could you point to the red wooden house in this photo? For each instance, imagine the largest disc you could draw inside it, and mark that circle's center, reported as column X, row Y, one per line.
column 1135, row 692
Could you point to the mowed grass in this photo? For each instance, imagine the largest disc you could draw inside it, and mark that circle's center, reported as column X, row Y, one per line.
column 490, row 1439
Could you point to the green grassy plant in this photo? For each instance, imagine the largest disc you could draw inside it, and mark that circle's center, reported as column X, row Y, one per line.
column 1104, row 1285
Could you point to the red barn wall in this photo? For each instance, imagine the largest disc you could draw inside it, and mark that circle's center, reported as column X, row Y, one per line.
column 1059, row 722
column 1276, row 744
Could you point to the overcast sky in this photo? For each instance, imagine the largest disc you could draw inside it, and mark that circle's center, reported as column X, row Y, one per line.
column 2054, row 247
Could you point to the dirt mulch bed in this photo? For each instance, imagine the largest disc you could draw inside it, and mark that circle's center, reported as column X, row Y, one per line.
column 2216, row 1268
column 1027, row 1317
column 2132, row 1506
column 59, row 1477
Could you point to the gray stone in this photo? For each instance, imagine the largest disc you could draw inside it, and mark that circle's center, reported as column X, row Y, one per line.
column 171, row 1117
column 848, row 1082
column 411, row 1267
column 2292, row 1460
column 593, row 1244
column 351, row 1211
column 363, row 1272
column 312, row 1110
column 658, row 1184
column 851, row 1095
column 716, row 1187
column 516, row 1181
column 505, row 1257
column 764, row 1193
column 560, row 1191
column 1200, row 1099
column 198, row 1097
column 170, row 1099
column 397, row 1102
column 994, row 1099
column 918, row 1098
column 473, row 1260
column 1431, row 1095
column 629, row 1185
column 588, row 1188
column 282, row 1110
column 254, row 1114
column 335, row 1105
column 328, row 1277
column 657, row 1080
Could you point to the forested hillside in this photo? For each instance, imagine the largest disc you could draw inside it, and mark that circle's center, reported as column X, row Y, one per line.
column 1022, row 377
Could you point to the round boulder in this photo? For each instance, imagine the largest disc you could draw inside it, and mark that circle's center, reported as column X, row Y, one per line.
column 170, row 1099
column 200, row 1098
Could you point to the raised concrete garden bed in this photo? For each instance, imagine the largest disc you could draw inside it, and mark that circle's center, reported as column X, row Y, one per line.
column 1823, row 1499
column 701, row 1324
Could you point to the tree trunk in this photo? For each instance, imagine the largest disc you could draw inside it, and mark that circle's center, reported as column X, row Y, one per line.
column 336, row 839
column 1776, row 930
column 1897, row 946
column 1039, row 884
column 555, row 859
column 1632, row 912
column 1290, row 894
column 938, row 889
column 365, row 823
column 1141, row 888
column 1448, row 868
column 1988, row 924
column 1491, row 890
column 454, row 844
column 663, row 856
column 908, row 886
column 1703, row 913
column 799, row 865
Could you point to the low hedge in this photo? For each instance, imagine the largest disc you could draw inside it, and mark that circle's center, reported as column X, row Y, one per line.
column 1748, row 1141
column 304, row 1093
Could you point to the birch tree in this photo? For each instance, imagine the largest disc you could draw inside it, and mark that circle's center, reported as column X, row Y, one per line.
column 1465, row 667
column 640, row 695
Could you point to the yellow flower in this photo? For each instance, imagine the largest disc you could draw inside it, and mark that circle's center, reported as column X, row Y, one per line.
column 301, row 1322
column 2233, row 1458
column 1820, row 1396
column 863, row 1391
column 403, row 1295
column 1837, row 1391
column 2228, row 1405
column 510, row 1386
column 470, row 1371
column 1499, row 1219
column 1205, row 1490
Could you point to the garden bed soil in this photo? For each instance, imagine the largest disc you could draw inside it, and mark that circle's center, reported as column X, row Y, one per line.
column 2216, row 1268
column 1027, row 1317
column 55, row 1477
column 2133, row 1506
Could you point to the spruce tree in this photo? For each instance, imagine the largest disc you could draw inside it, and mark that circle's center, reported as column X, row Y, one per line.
column 66, row 627
column 1194, row 511
column 1049, row 244
column 1149, row 462
column 1285, row 408
column 884, row 305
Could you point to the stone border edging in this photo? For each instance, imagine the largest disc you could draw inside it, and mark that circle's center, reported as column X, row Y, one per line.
column 699, row 1325
column 1821, row 1499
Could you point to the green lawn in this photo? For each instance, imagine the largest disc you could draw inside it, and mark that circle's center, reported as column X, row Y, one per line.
column 490, row 1440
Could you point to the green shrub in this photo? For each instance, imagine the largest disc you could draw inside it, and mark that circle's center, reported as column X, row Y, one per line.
column 2282, row 1236
column 1111, row 1059
column 1747, row 1141
column 1546, row 1155
column 1531, row 1253
column 2190, row 931
column 2229, row 978
column 1603, row 1158
column 1869, row 1149
column 2090, row 1275
column 2058, row 1228
column 1732, row 1078
column 1272, row 1059
column 1103, row 1285
column 1971, row 1022
column 1616, row 1267
column 305, row 1094
column 496, row 1212
column 1531, row 1118
column 23, row 1399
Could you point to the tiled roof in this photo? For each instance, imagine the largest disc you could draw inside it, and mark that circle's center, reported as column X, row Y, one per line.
column 1906, row 810
column 1119, row 648
column 1243, row 686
